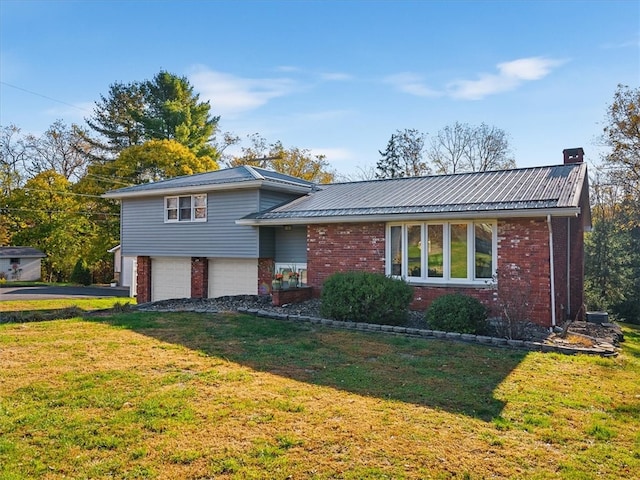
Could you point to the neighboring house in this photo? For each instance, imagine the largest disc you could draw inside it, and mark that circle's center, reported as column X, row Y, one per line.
column 123, row 269
column 20, row 264
column 226, row 232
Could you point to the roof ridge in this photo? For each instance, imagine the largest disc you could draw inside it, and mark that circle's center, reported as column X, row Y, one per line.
column 445, row 175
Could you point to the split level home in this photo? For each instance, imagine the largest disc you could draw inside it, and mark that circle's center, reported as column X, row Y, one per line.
column 508, row 234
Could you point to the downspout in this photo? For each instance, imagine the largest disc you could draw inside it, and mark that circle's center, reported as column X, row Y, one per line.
column 552, row 273
column 569, row 312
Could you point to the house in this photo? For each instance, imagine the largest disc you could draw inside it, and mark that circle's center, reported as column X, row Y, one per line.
column 123, row 268
column 484, row 234
column 20, row 264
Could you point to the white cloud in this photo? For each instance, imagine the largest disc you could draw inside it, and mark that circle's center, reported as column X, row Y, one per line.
column 510, row 75
column 412, row 84
column 230, row 95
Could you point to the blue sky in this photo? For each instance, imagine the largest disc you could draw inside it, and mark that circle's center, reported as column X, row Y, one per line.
column 335, row 77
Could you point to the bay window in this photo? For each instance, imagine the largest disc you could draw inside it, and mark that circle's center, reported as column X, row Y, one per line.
column 451, row 251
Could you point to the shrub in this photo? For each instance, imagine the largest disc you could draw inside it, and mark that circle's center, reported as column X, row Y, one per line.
column 457, row 313
column 81, row 273
column 366, row 297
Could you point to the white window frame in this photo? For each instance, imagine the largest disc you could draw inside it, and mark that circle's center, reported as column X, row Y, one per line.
column 193, row 208
column 446, row 278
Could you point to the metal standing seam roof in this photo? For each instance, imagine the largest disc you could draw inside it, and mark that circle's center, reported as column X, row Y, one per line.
column 535, row 188
column 227, row 176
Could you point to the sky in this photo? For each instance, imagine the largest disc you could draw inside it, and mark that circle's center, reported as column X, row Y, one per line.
column 335, row 77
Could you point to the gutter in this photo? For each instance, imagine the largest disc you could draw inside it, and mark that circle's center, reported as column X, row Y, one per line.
column 301, row 219
column 552, row 274
column 188, row 189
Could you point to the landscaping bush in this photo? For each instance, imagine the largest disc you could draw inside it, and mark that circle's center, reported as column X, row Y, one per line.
column 366, row 297
column 457, row 313
column 81, row 273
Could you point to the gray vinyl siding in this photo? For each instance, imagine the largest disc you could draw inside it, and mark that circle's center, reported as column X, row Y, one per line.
column 267, row 242
column 144, row 231
column 291, row 245
column 268, row 236
column 270, row 199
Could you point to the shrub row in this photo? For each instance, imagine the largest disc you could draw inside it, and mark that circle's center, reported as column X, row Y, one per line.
column 376, row 298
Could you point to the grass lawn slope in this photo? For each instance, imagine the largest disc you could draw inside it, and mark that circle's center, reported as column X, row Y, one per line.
column 185, row 395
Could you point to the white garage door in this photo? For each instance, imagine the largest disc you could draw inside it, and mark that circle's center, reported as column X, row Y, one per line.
column 233, row 276
column 170, row 278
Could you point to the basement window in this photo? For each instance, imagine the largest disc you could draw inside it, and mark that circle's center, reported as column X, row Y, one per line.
column 186, row 208
column 442, row 252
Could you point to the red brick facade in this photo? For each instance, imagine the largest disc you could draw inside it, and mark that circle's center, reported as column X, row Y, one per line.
column 292, row 295
column 523, row 263
column 265, row 275
column 143, row 279
column 199, row 277
column 343, row 247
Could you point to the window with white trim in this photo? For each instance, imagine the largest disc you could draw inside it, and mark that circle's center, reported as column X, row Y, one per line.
column 451, row 251
column 186, row 208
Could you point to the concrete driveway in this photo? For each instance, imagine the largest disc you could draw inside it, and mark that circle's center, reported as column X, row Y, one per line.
column 47, row 292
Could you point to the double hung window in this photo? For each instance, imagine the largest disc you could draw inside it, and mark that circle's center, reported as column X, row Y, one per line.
column 452, row 251
column 186, row 208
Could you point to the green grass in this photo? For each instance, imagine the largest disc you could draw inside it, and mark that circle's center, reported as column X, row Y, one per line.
column 157, row 395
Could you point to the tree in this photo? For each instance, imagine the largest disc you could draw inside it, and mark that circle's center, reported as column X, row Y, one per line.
column 61, row 149
column 46, row 215
column 389, row 164
column 164, row 108
column 612, row 249
column 116, row 121
column 465, row 148
column 150, row 162
column 294, row 161
column 622, row 136
column 13, row 152
column 608, row 257
column 174, row 112
column 449, row 147
column 404, row 155
column 489, row 150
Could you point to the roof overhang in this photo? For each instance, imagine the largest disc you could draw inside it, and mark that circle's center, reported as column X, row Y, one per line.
column 189, row 189
column 399, row 217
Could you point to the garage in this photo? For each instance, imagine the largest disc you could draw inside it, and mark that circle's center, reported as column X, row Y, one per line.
column 170, row 278
column 233, row 276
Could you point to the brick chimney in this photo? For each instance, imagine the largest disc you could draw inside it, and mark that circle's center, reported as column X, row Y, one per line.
column 573, row 155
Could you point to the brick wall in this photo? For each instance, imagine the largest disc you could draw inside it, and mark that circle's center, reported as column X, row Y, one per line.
column 199, row 277
column 523, row 255
column 266, row 267
column 523, row 265
column 343, row 247
column 143, row 274
column 292, row 295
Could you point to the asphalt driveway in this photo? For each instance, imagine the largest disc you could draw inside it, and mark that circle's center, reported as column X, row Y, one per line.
column 48, row 292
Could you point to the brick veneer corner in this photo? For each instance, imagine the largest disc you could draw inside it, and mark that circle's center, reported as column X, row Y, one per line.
column 199, row 277
column 143, row 278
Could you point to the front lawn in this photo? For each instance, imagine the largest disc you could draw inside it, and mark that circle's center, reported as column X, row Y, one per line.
column 185, row 395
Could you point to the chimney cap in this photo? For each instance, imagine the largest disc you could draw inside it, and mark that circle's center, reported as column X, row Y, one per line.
column 573, row 151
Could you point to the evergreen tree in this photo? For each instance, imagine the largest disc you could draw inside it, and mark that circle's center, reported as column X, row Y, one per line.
column 389, row 164
column 164, row 108
column 404, row 156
